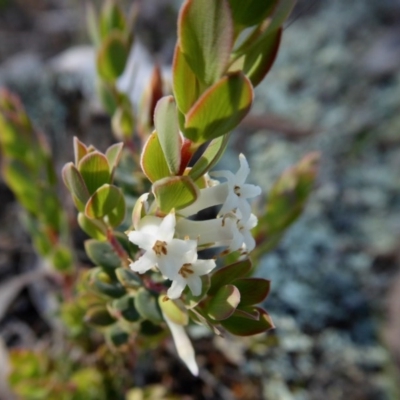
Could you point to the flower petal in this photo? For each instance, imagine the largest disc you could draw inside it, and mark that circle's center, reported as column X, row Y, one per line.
column 183, row 345
column 249, row 191
column 194, row 283
column 144, row 263
column 202, row 267
column 142, row 239
column 167, row 228
column 176, row 289
column 243, row 171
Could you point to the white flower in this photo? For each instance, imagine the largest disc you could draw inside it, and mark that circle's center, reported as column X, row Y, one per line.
column 156, row 236
column 183, row 345
column 189, row 274
column 242, row 237
column 238, row 190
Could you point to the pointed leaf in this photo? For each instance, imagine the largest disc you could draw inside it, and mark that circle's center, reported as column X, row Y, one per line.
column 112, row 56
column 147, row 305
column 92, row 24
column 185, row 83
column 113, row 155
column 252, row 290
column 94, row 170
column 175, row 192
column 74, row 182
column 80, row 150
column 228, row 274
column 103, row 201
column 174, row 310
column 102, row 253
column 111, row 18
column 96, row 229
column 205, row 34
column 210, row 157
column 153, row 161
column 167, row 127
column 246, row 327
column 219, row 109
column 251, row 12
column 223, row 303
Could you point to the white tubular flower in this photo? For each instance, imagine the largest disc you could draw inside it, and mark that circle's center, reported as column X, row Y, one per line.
column 242, row 237
column 156, row 236
column 238, row 191
column 183, row 345
column 189, row 274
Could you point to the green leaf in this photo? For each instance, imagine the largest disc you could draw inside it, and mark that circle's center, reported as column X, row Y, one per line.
column 252, row 290
column 259, row 57
column 112, row 56
column 147, row 305
column 210, row 157
column 107, row 95
column 111, row 18
column 128, row 278
column 80, row 150
column 185, row 83
column 223, row 303
column 96, row 229
column 153, row 161
column 117, row 215
column 116, row 335
column 94, row 170
column 205, row 34
column 123, row 123
column 174, row 310
column 101, row 283
column 92, row 24
column 113, row 155
column 281, row 13
column 167, row 127
column 74, row 182
column 175, row 192
column 62, row 258
column 102, row 253
column 103, row 201
column 247, row 327
column 20, row 180
column 251, row 12
column 219, row 109
column 98, row 316
column 229, row 274
column 125, row 308
column 247, row 312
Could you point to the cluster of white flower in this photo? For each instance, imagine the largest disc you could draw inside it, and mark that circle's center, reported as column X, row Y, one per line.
column 171, row 243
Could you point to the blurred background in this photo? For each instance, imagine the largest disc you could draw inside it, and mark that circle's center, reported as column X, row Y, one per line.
column 334, row 88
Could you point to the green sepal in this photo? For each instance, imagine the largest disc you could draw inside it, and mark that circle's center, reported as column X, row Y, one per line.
column 98, row 316
column 219, row 109
column 210, row 157
column 175, row 193
column 205, row 34
column 94, row 170
column 147, row 305
column 125, row 307
column 96, row 229
column 223, row 304
column 102, row 254
column 167, row 128
column 246, row 326
column 174, row 310
column 112, row 56
column 152, row 161
column 228, row 274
